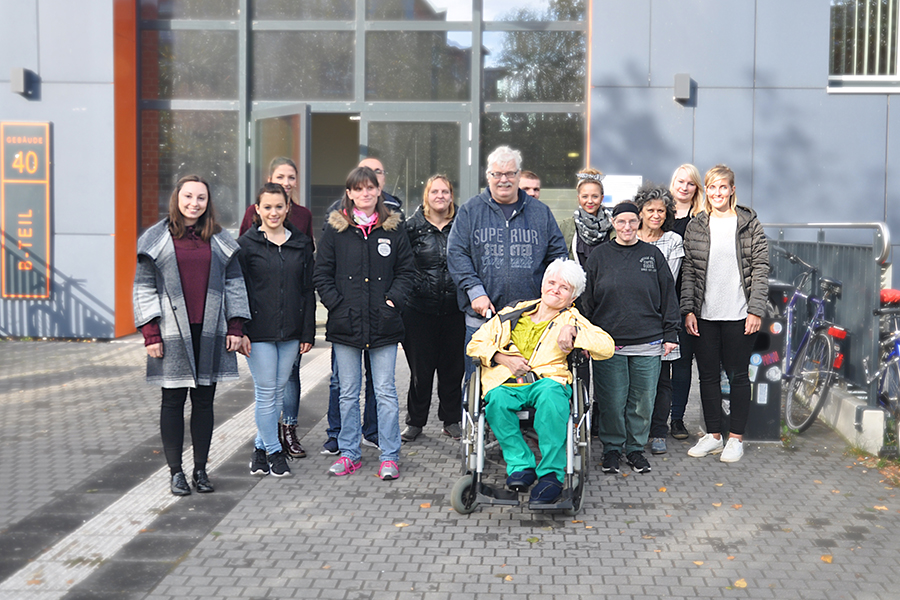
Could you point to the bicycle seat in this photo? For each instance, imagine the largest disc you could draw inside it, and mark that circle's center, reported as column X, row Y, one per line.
column 890, row 296
column 832, row 286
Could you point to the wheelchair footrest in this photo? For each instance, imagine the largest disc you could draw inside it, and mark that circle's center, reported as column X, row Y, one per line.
column 563, row 503
column 489, row 495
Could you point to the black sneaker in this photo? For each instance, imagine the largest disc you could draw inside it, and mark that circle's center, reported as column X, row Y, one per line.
column 260, row 463
column 611, row 462
column 638, row 462
column 679, row 431
column 278, row 466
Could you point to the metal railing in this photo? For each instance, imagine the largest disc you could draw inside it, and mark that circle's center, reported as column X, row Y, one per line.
column 859, row 267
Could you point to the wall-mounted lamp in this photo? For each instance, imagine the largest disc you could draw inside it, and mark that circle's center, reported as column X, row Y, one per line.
column 24, row 82
column 682, row 88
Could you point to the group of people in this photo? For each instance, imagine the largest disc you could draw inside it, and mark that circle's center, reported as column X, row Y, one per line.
column 641, row 287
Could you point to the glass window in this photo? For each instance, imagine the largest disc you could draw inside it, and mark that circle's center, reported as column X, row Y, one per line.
column 552, row 144
column 413, row 152
column 199, row 65
column 864, row 37
column 528, row 66
column 178, row 143
column 534, row 10
column 312, row 10
column 422, row 65
column 189, row 9
column 302, row 65
column 419, row 10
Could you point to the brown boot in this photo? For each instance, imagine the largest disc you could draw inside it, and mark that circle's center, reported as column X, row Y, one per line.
column 288, row 436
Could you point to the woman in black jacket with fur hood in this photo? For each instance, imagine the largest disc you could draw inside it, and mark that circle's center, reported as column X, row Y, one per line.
column 364, row 273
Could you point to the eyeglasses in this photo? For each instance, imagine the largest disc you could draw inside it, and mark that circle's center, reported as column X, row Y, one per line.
column 502, row 174
column 380, row 171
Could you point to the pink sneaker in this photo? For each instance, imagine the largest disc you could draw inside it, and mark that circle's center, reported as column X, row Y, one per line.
column 389, row 470
column 344, row 466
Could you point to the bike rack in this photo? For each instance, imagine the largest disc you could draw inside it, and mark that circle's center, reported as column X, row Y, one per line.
column 860, row 267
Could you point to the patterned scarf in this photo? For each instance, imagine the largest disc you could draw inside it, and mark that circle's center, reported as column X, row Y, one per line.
column 593, row 229
column 365, row 224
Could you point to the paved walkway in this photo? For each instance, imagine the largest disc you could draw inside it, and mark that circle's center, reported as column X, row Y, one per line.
column 84, row 511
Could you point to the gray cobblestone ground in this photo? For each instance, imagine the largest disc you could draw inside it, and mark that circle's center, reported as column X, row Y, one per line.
column 693, row 528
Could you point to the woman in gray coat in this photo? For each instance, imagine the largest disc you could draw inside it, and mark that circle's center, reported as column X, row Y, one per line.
column 190, row 304
column 723, row 297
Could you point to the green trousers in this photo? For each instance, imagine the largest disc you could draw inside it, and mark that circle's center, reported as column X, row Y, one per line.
column 550, row 400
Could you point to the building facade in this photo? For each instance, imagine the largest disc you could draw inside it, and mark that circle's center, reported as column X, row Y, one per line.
column 794, row 96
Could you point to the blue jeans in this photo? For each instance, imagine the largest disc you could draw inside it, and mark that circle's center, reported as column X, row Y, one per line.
column 370, row 415
column 270, row 364
column 627, row 387
column 471, row 364
column 349, row 363
column 292, row 395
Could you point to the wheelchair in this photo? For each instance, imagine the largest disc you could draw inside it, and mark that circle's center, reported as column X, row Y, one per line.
column 470, row 490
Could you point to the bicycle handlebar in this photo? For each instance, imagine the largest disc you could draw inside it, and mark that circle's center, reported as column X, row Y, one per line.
column 886, row 311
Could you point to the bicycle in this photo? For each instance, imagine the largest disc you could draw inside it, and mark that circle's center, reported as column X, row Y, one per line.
column 810, row 370
column 888, row 373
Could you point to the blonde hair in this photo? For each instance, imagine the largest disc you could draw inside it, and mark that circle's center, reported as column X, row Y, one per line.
column 719, row 171
column 426, row 210
column 694, row 175
column 589, row 175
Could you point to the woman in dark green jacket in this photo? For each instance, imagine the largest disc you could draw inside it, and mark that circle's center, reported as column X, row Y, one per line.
column 723, row 297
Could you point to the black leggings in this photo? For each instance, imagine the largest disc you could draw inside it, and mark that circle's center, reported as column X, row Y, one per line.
column 724, row 343
column 171, row 417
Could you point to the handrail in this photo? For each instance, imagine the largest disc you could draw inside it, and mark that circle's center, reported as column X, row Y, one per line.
column 880, row 228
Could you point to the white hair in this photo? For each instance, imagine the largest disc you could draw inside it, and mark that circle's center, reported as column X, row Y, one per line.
column 503, row 155
column 570, row 271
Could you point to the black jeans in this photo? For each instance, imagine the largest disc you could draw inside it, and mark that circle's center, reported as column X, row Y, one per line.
column 434, row 343
column 724, row 342
column 659, row 427
column 171, row 417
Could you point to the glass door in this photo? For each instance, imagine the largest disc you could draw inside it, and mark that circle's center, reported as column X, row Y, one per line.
column 413, row 147
column 280, row 131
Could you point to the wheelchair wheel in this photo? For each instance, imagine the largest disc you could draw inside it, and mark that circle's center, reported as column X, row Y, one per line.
column 462, row 496
column 579, row 478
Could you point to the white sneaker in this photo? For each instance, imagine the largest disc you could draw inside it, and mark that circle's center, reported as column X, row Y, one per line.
column 707, row 445
column 733, row 452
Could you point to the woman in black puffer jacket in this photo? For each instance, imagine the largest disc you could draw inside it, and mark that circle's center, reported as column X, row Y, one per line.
column 435, row 327
column 364, row 273
column 723, row 297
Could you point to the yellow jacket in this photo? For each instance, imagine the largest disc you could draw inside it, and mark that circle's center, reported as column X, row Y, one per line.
column 547, row 359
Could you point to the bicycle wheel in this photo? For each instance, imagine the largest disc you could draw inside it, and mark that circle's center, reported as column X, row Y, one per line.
column 810, row 382
column 889, row 398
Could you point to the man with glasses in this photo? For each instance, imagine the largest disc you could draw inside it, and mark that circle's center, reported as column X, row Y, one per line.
column 500, row 245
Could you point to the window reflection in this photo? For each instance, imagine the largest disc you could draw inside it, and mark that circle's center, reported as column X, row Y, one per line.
column 426, row 65
column 534, row 10
column 529, row 66
column 307, row 9
column 419, row 10
column 177, row 143
column 552, row 144
column 189, row 9
column 307, row 65
column 198, row 65
column 413, row 152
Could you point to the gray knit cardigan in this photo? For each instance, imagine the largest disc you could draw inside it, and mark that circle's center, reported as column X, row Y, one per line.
column 158, row 294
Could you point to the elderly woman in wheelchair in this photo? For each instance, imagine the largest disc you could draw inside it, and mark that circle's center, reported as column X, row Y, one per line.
column 523, row 354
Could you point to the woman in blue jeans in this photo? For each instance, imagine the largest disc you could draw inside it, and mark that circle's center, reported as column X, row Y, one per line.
column 277, row 261
column 364, row 273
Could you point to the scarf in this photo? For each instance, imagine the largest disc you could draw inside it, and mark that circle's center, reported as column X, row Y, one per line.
column 593, row 229
column 365, row 224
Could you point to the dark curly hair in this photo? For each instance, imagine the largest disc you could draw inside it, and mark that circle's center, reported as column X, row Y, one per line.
column 651, row 191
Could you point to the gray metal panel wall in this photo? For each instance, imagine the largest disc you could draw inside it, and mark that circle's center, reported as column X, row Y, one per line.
column 760, row 105
column 69, row 45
